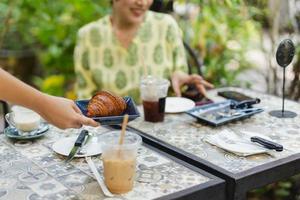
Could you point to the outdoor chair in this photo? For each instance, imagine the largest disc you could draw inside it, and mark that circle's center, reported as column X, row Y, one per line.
column 193, row 58
column 4, row 112
column 160, row 6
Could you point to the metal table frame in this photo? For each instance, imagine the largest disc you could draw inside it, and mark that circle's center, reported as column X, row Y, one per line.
column 212, row 190
column 238, row 184
column 215, row 189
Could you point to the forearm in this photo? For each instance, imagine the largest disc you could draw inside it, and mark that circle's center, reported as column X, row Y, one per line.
column 15, row 91
column 58, row 111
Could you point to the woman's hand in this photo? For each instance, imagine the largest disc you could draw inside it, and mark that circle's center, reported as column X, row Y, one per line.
column 62, row 112
column 180, row 78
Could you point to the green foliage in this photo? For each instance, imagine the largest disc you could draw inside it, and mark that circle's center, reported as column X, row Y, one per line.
column 53, row 84
column 222, row 32
column 50, row 28
column 276, row 191
column 260, row 11
column 56, row 28
column 13, row 26
column 56, row 31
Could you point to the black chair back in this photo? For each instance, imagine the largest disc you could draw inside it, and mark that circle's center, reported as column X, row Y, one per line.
column 162, row 6
column 194, row 59
column 4, row 112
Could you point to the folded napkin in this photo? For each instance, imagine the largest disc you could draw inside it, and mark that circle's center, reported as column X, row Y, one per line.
column 235, row 143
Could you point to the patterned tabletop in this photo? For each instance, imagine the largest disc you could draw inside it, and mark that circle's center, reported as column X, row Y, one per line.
column 184, row 132
column 31, row 170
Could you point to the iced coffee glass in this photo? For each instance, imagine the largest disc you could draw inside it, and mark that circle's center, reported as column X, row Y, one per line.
column 153, row 93
column 119, row 161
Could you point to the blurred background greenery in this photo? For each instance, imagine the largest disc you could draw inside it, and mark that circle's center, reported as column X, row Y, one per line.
column 222, row 31
column 44, row 31
column 37, row 39
column 48, row 31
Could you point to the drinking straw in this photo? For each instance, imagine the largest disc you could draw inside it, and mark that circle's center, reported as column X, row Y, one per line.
column 124, row 125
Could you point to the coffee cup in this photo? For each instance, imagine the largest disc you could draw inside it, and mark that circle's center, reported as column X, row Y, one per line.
column 153, row 93
column 23, row 119
column 119, row 161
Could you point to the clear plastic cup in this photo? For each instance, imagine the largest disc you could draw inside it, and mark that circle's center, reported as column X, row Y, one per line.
column 119, row 161
column 153, row 94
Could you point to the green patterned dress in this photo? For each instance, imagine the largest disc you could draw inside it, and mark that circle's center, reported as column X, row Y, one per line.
column 102, row 63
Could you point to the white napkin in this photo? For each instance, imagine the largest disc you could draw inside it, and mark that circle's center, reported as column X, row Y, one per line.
column 234, row 143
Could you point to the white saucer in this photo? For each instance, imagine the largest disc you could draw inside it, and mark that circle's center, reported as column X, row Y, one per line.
column 178, row 104
column 14, row 133
column 65, row 145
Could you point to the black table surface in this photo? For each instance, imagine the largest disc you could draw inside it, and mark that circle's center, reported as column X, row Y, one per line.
column 182, row 136
column 30, row 169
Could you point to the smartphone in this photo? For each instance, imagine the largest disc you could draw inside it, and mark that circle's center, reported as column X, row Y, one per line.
column 234, row 95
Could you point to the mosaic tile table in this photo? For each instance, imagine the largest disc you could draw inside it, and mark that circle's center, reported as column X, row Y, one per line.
column 31, row 170
column 181, row 136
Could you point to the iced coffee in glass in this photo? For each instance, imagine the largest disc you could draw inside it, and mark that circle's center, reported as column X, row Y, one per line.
column 119, row 161
column 153, row 94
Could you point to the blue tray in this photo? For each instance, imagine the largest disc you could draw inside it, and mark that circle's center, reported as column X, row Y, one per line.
column 220, row 113
column 131, row 110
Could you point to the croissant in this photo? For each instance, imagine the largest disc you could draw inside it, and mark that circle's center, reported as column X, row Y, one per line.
column 105, row 104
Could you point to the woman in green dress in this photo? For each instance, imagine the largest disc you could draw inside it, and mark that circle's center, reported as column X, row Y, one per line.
column 113, row 52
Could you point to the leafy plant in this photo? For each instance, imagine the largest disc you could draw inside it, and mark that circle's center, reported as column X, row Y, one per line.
column 57, row 28
column 53, row 84
column 49, row 28
column 12, row 26
column 222, row 32
column 282, row 190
